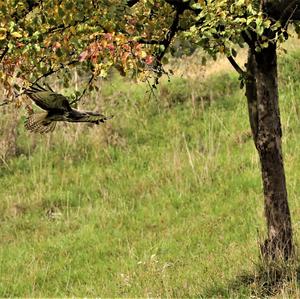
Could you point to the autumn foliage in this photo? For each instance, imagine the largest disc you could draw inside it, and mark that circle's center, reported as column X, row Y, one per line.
column 40, row 37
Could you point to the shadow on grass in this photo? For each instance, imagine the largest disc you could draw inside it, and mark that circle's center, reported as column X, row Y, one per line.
column 266, row 281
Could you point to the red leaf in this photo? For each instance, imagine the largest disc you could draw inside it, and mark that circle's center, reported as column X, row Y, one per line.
column 149, row 59
column 83, row 56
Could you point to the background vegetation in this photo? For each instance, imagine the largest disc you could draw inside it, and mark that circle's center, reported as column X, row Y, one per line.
column 164, row 200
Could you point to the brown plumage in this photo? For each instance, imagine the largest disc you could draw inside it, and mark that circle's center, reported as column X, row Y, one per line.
column 57, row 108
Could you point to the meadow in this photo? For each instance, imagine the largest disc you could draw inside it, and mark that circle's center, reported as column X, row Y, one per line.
column 164, row 200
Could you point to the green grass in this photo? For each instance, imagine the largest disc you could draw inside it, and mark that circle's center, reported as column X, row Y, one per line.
column 164, row 200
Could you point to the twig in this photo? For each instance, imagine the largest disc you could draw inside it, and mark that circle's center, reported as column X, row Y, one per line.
column 50, row 88
column 84, row 91
column 3, row 53
column 14, row 16
column 52, row 71
column 30, row 9
column 4, row 103
column 290, row 17
column 150, row 42
column 63, row 27
column 286, row 11
column 130, row 3
column 151, row 87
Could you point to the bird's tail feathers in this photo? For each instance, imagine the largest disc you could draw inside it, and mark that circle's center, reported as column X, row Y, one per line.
column 37, row 123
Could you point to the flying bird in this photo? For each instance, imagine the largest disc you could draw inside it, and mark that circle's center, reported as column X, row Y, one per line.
column 58, row 108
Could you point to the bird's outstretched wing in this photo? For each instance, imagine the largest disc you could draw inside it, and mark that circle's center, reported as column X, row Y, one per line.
column 38, row 123
column 87, row 116
column 48, row 100
column 94, row 119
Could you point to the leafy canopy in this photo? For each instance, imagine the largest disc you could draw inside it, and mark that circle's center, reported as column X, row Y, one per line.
column 40, row 37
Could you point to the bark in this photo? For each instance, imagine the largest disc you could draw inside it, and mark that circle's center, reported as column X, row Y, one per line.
column 262, row 96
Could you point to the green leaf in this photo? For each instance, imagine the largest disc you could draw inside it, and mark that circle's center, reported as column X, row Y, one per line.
column 165, row 60
column 264, row 45
column 267, row 23
column 196, row 6
column 61, row 12
column 260, row 30
column 258, row 49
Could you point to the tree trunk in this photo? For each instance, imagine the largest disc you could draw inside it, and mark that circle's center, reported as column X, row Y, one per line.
column 262, row 96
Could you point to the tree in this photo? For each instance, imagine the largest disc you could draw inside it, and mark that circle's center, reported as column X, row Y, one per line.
column 40, row 37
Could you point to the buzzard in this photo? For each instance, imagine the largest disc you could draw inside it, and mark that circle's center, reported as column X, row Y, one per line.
column 57, row 108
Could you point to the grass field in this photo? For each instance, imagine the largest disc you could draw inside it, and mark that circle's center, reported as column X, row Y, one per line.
column 165, row 200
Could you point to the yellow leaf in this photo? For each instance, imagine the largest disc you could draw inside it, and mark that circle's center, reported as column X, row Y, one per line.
column 18, row 103
column 143, row 54
column 16, row 34
column 103, row 73
column 73, row 30
column 2, row 33
column 104, row 43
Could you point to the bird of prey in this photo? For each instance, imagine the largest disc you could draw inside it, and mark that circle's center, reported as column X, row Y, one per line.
column 57, row 108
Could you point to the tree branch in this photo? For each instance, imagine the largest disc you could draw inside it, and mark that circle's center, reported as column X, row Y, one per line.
column 4, row 103
column 31, row 7
column 63, row 27
column 52, row 70
column 286, row 17
column 236, row 66
column 282, row 9
column 150, row 42
column 170, row 35
column 183, row 5
column 130, row 3
column 178, row 4
column 3, row 53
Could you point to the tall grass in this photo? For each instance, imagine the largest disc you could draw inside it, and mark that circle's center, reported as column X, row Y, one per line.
column 165, row 200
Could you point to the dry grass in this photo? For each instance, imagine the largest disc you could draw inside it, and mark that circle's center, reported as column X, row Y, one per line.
column 8, row 133
column 191, row 67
